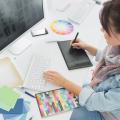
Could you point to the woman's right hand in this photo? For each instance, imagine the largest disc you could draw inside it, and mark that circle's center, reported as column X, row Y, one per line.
column 79, row 44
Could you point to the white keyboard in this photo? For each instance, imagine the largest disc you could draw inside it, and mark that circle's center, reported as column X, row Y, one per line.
column 78, row 14
column 34, row 78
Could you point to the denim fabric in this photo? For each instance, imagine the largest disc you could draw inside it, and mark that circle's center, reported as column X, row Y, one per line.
column 83, row 114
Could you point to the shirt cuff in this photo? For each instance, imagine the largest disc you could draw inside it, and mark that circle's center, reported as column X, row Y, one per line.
column 85, row 93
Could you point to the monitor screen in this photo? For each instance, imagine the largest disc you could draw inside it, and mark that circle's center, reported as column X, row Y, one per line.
column 16, row 17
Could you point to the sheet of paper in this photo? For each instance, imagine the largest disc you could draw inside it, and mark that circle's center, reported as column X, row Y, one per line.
column 8, row 98
column 53, row 36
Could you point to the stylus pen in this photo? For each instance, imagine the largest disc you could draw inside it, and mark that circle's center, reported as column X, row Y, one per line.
column 27, row 93
column 22, row 89
column 75, row 37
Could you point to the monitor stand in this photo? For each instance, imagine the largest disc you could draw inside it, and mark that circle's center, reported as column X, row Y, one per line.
column 20, row 46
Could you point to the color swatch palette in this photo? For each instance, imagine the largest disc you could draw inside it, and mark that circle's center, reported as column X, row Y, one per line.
column 61, row 27
column 56, row 101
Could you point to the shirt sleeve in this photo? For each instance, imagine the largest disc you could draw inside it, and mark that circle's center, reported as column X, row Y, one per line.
column 100, row 101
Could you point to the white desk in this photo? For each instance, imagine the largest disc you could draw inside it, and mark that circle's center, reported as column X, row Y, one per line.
column 89, row 31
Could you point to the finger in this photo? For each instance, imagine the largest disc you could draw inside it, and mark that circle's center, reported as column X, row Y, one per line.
column 77, row 40
column 47, row 73
column 78, row 48
column 51, row 74
column 47, row 77
column 50, row 71
column 71, row 42
column 50, row 79
column 76, row 45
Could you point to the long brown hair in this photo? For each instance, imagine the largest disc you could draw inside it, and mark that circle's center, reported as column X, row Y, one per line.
column 110, row 16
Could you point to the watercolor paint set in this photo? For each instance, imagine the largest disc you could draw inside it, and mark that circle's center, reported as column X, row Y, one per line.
column 56, row 101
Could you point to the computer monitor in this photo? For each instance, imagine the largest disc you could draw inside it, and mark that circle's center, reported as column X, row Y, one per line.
column 16, row 17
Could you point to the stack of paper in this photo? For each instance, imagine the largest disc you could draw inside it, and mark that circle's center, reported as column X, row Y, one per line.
column 11, row 106
column 8, row 98
column 19, row 112
column 17, row 109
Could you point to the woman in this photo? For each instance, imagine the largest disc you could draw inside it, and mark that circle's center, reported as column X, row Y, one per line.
column 99, row 100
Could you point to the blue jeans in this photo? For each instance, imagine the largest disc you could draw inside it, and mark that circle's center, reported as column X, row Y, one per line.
column 82, row 113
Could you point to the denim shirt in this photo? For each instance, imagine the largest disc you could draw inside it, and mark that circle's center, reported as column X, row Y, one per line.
column 105, row 97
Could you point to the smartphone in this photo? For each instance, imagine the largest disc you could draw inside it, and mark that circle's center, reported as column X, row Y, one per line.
column 39, row 32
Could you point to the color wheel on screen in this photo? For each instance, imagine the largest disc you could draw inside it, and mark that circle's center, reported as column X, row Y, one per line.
column 61, row 27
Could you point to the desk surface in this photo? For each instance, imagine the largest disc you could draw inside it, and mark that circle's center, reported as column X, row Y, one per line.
column 89, row 31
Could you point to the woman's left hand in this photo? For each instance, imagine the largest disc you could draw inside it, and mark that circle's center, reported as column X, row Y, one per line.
column 54, row 77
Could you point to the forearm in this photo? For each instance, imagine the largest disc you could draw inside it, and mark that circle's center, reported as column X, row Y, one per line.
column 72, row 87
column 92, row 50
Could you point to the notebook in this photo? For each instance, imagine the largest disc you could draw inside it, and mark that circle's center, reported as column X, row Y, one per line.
column 56, row 101
column 74, row 58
